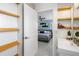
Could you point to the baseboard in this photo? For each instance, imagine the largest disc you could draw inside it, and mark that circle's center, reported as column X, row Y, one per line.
column 64, row 52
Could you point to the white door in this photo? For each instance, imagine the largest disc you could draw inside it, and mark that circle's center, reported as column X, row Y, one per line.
column 30, row 31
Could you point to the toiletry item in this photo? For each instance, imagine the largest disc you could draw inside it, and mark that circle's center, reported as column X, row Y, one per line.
column 69, row 35
column 76, row 39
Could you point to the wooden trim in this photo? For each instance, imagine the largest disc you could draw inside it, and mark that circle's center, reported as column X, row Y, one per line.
column 75, row 18
column 8, row 13
column 8, row 45
column 68, row 27
column 64, row 8
column 8, row 29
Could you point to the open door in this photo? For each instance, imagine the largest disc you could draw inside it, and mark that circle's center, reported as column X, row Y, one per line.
column 30, row 31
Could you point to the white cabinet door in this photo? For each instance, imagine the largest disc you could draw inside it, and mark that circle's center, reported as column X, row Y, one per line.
column 30, row 31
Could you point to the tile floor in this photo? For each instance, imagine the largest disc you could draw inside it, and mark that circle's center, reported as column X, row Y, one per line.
column 44, row 48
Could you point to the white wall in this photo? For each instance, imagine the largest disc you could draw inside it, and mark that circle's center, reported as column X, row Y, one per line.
column 64, row 14
column 47, row 14
column 64, row 4
column 8, row 7
column 8, row 22
column 44, row 6
column 32, row 5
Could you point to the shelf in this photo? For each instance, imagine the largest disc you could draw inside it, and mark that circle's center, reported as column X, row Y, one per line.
column 62, row 19
column 8, row 13
column 76, row 28
column 76, row 18
column 64, row 8
column 8, row 45
column 63, row 27
column 67, row 27
column 8, row 29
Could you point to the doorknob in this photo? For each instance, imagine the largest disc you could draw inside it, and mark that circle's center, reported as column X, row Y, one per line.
column 25, row 37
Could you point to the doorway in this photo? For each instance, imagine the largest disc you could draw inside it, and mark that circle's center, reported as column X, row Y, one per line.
column 45, row 33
